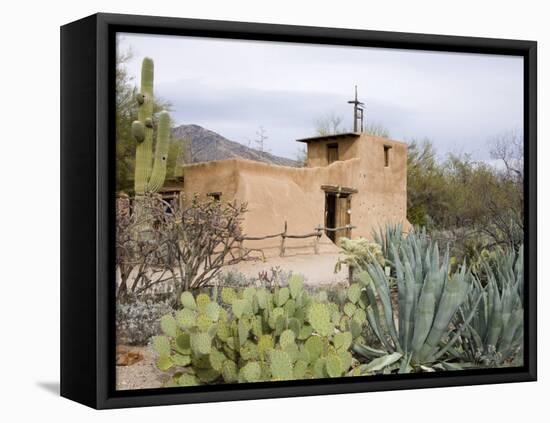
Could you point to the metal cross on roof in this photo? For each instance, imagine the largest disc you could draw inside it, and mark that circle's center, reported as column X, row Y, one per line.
column 357, row 112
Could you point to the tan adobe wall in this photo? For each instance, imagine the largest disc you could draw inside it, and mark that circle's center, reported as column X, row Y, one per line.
column 382, row 196
column 276, row 194
column 317, row 151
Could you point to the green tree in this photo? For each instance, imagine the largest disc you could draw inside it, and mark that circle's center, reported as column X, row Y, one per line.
column 472, row 203
column 427, row 200
column 125, row 114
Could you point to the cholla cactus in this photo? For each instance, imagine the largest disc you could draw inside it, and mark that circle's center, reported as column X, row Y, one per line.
column 358, row 253
column 150, row 169
column 257, row 334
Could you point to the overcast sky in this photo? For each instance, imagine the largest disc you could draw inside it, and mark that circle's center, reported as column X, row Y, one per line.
column 459, row 101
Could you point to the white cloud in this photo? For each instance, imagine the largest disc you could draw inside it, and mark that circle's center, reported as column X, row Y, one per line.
column 458, row 100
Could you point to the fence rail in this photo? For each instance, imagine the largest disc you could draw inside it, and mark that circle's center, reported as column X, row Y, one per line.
column 318, row 232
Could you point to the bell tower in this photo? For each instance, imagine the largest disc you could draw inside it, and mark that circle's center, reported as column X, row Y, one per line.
column 358, row 109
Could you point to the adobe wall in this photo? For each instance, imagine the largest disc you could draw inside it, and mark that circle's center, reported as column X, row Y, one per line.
column 382, row 196
column 317, row 151
column 276, row 194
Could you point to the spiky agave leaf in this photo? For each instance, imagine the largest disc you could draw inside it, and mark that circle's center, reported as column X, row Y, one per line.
column 452, row 297
column 496, row 331
column 427, row 301
column 380, row 363
column 379, row 279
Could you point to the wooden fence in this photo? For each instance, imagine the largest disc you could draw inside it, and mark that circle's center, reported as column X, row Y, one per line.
column 316, row 234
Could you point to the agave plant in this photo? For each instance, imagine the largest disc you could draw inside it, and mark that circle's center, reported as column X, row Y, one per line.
column 508, row 268
column 387, row 236
column 427, row 301
column 494, row 336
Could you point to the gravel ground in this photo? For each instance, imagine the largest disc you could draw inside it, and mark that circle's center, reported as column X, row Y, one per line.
column 141, row 375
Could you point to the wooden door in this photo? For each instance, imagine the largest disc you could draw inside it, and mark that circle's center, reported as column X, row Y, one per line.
column 342, row 217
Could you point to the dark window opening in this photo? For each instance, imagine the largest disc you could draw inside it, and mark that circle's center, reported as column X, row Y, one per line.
column 215, row 195
column 332, row 153
column 387, row 149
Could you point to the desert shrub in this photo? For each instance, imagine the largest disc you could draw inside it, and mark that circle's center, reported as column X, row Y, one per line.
column 184, row 246
column 233, row 278
column 202, row 237
column 275, row 277
column 140, row 247
column 138, row 320
column 444, row 195
column 258, row 334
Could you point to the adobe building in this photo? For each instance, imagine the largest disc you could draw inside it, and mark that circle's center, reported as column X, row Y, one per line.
column 351, row 180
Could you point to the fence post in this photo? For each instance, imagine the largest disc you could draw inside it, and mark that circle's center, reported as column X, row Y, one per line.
column 316, row 239
column 283, row 237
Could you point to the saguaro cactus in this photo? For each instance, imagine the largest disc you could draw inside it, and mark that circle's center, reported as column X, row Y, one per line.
column 150, row 166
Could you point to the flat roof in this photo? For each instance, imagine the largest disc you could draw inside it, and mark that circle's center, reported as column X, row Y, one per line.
column 331, row 137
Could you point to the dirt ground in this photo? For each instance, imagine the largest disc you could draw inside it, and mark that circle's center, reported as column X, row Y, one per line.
column 141, row 375
column 317, row 269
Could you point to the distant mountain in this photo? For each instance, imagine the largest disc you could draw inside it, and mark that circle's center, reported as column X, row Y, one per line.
column 207, row 145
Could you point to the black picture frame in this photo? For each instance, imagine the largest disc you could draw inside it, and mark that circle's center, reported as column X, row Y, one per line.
column 87, row 208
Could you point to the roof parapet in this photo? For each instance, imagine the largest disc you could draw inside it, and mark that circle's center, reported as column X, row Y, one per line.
column 330, row 137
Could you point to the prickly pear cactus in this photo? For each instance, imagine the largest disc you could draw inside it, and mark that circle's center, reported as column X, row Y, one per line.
column 150, row 168
column 257, row 335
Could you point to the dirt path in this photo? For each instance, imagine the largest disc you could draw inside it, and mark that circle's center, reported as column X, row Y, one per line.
column 317, row 269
